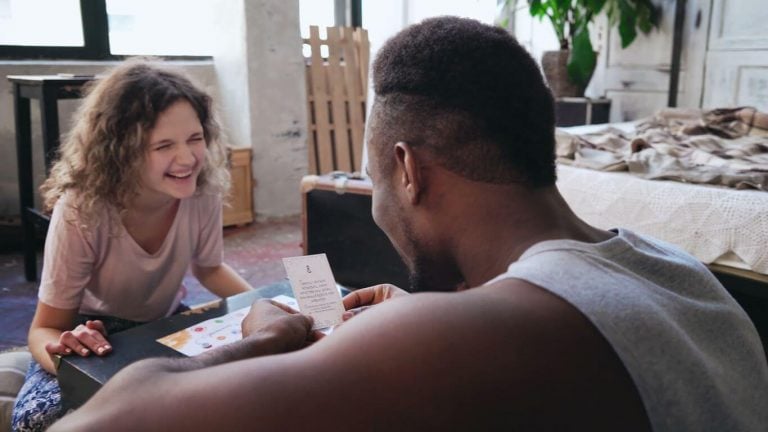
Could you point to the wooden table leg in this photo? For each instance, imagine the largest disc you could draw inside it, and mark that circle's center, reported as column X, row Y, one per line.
column 26, row 188
column 49, row 118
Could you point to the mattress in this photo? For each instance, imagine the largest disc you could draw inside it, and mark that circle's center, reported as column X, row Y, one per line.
column 715, row 224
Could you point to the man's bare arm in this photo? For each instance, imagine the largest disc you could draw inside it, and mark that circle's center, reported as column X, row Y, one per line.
column 509, row 357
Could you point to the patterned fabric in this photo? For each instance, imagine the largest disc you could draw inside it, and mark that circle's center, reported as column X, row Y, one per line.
column 39, row 401
column 692, row 146
column 13, row 368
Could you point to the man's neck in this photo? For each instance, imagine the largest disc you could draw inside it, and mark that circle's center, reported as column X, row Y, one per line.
column 501, row 222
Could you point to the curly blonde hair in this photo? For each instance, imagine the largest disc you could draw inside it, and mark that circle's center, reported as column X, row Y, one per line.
column 102, row 156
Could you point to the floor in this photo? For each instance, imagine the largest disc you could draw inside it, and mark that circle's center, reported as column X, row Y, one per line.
column 254, row 251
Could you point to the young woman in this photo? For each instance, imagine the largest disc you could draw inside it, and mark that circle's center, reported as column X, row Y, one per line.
column 136, row 200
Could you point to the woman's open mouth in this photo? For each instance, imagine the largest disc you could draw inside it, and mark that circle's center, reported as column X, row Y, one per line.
column 180, row 176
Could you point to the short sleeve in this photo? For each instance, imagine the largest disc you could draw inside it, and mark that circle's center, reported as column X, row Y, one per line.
column 210, row 249
column 68, row 260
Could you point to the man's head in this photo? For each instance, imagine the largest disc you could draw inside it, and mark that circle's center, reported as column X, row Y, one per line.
column 467, row 97
column 471, row 96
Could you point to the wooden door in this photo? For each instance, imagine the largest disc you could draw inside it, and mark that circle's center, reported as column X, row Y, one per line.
column 636, row 79
column 737, row 58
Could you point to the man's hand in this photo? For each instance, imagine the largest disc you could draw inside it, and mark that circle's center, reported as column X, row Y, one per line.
column 291, row 328
column 360, row 300
column 84, row 339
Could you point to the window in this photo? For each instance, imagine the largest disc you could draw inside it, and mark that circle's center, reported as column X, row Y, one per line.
column 22, row 24
column 104, row 29
column 167, row 27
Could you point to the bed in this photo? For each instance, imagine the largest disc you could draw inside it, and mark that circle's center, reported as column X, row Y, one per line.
column 718, row 225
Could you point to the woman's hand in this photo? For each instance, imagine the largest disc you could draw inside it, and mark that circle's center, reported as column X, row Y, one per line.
column 292, row 329
column 82, row 340
column 360, row 300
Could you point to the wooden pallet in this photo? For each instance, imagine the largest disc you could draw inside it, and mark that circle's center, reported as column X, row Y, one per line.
column 337, row 88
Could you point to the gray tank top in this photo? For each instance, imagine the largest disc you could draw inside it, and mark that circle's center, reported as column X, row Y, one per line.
column 692, row 352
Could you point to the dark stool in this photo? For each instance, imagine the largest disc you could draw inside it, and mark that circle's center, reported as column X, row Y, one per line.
column 47, row 89
column 572, row 111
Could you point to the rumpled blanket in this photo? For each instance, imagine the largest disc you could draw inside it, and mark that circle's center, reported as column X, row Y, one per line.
column 688, row 145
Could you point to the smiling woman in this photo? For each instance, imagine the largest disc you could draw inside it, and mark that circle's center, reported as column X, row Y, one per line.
column 136, row 199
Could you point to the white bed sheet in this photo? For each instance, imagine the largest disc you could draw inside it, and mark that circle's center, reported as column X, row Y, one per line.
column 715, row 224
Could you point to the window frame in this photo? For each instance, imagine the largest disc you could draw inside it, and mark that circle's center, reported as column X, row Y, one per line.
column 95, row 24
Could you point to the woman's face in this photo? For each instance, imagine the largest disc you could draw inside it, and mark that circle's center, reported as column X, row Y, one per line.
column 175, row 154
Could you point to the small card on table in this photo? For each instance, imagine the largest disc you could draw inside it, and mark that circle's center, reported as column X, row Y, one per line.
column 315, row 289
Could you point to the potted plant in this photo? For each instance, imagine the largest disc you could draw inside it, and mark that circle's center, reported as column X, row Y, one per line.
column 569, row 70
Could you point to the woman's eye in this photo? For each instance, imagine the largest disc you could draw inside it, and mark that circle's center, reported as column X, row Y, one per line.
column 163, row 147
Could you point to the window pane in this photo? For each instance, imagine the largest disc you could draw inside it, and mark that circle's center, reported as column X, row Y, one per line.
column 22, row 23
column 481, row 10
column 167, row 27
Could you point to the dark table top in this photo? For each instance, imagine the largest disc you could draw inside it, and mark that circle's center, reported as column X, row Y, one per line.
column 80, row 377
column 63, row 79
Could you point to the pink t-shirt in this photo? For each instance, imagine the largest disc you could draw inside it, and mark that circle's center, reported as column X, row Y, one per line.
column 101, row 270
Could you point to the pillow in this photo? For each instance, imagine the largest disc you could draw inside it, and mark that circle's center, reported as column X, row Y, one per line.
column 13, row 369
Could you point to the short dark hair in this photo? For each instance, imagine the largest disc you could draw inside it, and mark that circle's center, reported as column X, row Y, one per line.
column 472, row 96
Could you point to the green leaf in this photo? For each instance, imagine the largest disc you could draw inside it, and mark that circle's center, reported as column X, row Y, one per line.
column 627, row 22
column 582, row 61
column 594, row 6
column 536, row 8
column 562, row 5
column 645, row 17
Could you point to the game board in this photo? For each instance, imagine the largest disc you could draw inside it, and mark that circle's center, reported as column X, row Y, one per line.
column 214, row 332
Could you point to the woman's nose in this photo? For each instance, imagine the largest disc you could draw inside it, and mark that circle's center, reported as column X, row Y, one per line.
column 185, row 155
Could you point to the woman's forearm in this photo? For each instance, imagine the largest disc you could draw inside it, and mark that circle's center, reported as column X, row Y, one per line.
column 221, row 280
column 38, row 339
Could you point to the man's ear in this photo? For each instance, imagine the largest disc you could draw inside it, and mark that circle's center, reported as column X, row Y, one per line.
column 410, row 171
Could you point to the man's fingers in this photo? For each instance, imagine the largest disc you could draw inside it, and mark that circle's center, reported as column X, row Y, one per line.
column 352, row 312
column 309, row 321
column 371, row 295
column 264, row 302
column 361, row 297
column 284, row 307
column 314, row 336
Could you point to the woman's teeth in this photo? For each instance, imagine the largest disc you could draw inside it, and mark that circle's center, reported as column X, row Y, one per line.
column 180, row 176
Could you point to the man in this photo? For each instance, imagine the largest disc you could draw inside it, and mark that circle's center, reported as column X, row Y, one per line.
column 534, row 320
